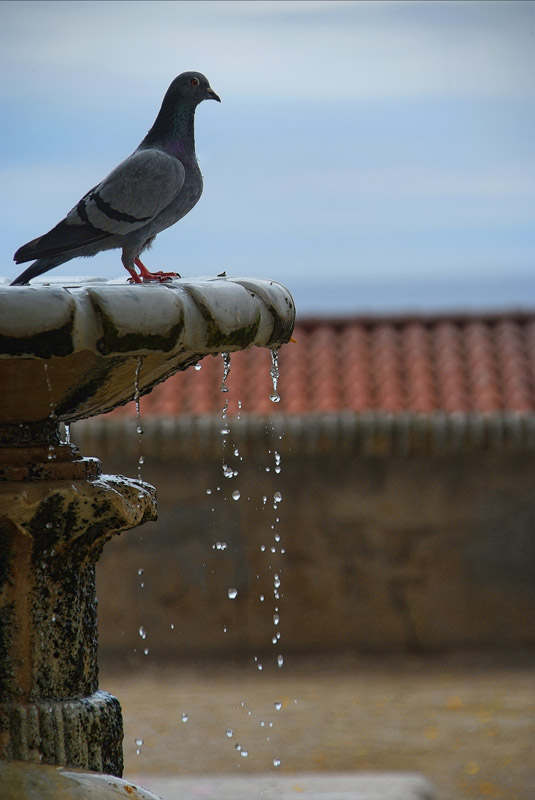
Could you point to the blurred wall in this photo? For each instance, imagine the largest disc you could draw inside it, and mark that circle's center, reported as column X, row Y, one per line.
column 399, row 538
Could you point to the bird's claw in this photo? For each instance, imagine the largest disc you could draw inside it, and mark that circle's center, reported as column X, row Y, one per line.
column 147, row 277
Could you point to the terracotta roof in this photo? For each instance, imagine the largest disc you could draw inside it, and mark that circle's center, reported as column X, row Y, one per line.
column 419, row 364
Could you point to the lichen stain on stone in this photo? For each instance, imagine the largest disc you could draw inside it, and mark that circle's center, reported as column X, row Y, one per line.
column 217, row 339
column 45, row 344
column 112, row 341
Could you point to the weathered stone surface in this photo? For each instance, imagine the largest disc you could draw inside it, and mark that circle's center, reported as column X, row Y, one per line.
column 83, row 349
column 51, row 534
column 23, row 781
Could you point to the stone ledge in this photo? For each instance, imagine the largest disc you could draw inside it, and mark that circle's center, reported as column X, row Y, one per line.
column 86, row 732
column 308, row 786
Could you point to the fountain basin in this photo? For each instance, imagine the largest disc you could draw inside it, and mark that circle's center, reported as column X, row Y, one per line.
column 82, row 348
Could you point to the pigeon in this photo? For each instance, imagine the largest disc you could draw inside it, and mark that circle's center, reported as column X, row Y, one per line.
column 146, row 193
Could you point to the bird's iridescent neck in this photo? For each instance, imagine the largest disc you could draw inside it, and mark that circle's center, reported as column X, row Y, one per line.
column 173, row 130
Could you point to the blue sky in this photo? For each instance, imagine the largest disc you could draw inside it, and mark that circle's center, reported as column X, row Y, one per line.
column 372, row 156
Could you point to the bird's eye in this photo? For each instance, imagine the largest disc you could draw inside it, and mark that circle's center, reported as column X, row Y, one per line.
column 194, row 81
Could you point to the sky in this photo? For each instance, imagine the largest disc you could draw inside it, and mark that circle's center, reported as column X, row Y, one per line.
column 372, row 156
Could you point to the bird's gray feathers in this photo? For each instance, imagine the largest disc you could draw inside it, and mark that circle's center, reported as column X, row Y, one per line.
column 133, row 194
column 147, row 192
column 62, row 239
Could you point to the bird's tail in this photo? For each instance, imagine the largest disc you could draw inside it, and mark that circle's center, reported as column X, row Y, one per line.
column 37, row 268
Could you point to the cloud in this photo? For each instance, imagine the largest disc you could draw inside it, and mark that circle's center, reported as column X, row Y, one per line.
column 336, row 51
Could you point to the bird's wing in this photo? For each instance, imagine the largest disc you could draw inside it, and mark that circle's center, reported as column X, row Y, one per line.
column 132, row 195
column 129, row 197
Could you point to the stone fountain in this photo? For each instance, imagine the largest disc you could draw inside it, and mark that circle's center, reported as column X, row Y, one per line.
column 66, row 353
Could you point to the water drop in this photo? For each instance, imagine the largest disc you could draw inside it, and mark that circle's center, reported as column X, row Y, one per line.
column 184, row 717
column 67, row 433
column 229, row 733
column 277, row 497
column 278, row 706
column 48, row 525
column 141, row 460
column 139, row 742
column 260, row 667
column 172, row 626
column 146, row 651
column 274, row 372
column 232, row 593
column 276, row 762
column 262, row 598
column 226, row 369
column 142, row 632
column 236, row 495
column 244, row 753
column 263, row 548
column 228, row 472
column 237, row 747
column 197, row 367
column 276, row 619
column 280, row 661
column 140, row 571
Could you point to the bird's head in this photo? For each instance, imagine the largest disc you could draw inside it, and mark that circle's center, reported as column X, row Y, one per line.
column 193, row 87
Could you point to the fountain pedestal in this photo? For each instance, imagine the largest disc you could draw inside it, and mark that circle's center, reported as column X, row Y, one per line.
column 65, row 354
column 58, row 511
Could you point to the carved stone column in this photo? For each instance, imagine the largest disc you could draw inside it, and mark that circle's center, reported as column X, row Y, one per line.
column 56, row 513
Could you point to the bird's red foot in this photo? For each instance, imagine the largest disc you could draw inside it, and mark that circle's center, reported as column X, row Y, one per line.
column 146, row 276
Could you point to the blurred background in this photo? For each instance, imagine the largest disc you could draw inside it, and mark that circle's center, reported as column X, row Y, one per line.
column 344, row 582
column 372, row 156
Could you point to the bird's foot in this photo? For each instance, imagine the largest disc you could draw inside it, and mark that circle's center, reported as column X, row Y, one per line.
column 146, row 276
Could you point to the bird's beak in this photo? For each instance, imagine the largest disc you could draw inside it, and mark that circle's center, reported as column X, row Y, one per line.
column 212, row 95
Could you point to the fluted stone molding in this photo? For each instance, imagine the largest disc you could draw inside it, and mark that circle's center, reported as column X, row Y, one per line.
column 83, row 348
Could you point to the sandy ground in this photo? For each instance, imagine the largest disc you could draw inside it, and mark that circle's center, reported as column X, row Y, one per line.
column 466, row 722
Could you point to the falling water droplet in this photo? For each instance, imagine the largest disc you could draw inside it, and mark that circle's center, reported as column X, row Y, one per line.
column 184, row 717
column 67, row 433
column 140, row 571
column 226, row 369
column 142, row 632
column 277, row 497
column 197, row 367
column 232, row 593
column 236, row 495
column 276, row 619
column 139, row 742
column 276, row 762
column 278, row 705
column 280, row 661
column 274, row 372
column 229, row 733
column 244, row 753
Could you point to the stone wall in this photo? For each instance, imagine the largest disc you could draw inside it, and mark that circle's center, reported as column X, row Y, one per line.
column 395, row 534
